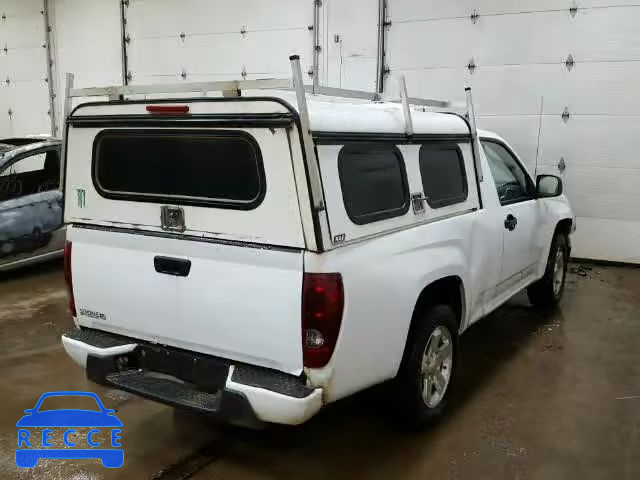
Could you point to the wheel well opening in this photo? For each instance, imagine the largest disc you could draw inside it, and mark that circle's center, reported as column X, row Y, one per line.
column 448, row 290
column 564, row 226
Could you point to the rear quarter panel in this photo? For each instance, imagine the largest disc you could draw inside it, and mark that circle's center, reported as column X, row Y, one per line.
column 383, row 278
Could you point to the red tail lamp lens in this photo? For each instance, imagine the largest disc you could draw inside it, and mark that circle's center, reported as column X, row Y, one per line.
column 322, row 306
column 168, row 109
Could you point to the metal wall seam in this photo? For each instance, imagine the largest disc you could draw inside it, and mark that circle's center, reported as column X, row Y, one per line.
column 124, row 41
column 51, row 79
column 317, row 4
column 380, row 54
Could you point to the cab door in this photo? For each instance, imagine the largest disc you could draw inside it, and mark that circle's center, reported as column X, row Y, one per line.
column 516, row 193
column 30, row 207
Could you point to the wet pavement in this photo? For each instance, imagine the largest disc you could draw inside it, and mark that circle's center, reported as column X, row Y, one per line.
column 540, row 396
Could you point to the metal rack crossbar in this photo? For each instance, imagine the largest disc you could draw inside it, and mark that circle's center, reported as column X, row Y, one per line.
column 235, row 87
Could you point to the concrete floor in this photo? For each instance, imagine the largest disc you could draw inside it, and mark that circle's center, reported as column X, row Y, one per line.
column 542, row 396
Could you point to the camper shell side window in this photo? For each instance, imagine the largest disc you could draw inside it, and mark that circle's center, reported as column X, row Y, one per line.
column 374, row 182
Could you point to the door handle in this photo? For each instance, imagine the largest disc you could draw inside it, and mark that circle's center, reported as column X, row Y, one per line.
column 510, row 222
column 172, row 266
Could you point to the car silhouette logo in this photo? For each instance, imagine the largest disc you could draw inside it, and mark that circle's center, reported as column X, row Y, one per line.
column 29, row 452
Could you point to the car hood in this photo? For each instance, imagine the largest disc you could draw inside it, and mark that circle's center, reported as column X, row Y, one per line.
column 69, row 418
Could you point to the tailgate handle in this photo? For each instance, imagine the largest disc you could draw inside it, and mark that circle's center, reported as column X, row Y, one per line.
column 172, row 266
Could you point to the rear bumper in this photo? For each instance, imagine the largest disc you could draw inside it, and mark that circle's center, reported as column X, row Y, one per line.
column 234, row 393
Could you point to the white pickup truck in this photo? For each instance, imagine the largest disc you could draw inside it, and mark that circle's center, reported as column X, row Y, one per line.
column 256, row 258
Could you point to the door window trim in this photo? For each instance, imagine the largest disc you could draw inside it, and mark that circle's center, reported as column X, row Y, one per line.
column 530, row 183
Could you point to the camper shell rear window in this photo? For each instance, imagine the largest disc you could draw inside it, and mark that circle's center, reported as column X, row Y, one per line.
column 221, row 168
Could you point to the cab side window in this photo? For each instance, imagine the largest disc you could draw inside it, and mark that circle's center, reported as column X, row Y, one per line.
column 512, row 181
column 32, row 174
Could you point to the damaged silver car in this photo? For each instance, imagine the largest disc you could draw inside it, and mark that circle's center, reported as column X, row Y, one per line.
column 31, row 227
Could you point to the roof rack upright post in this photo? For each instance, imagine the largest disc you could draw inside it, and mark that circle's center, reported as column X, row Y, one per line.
column 66, row 111
column 475, row 141
column 408, row 122
column 313, row 170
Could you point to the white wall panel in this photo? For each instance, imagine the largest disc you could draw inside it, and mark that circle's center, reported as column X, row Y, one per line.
column 23, row 69
column 532, row 38
column 87, row 38
column 606, row 239
column 440, row 44
column 224, row 54
column 590, row 88
column 161, row 17
column 207, row 39
column 592, row 141
column 420, row 10
column 351, row 43
column 87, row 34
column 520, row 49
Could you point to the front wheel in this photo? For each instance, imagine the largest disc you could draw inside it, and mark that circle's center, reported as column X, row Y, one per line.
column 547, row 292
column 426, row 377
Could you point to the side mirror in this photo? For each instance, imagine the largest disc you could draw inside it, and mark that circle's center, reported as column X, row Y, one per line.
column 29, row 411
column 548, row 186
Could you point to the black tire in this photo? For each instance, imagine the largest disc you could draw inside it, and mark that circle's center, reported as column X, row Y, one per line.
column 544, row 293
column 411, row 407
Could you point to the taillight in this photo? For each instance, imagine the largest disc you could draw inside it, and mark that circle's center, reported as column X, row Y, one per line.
column 68, row 279
column 168, row 109
column 322, row 305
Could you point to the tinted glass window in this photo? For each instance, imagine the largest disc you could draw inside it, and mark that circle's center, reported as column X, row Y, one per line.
column 191, row 167
column 512, row 182
column 36, row 173
column 374, row 182
column 443, row 175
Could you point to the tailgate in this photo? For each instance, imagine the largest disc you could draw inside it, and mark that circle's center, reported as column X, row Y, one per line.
column 237, row 301
column 187, row 229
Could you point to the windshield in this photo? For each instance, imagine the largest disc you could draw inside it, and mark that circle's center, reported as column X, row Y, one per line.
column 76, row 402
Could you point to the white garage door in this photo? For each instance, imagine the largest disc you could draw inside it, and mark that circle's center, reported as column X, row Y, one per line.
column 201, row 40
column 24, row 92
column 584, row 62
column 350, row 43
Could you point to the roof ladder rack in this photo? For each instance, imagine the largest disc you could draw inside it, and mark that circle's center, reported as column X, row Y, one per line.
column 234, row 88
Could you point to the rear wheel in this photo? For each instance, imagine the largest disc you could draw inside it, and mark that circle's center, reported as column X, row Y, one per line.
column 426, row 377
column 547, row 292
